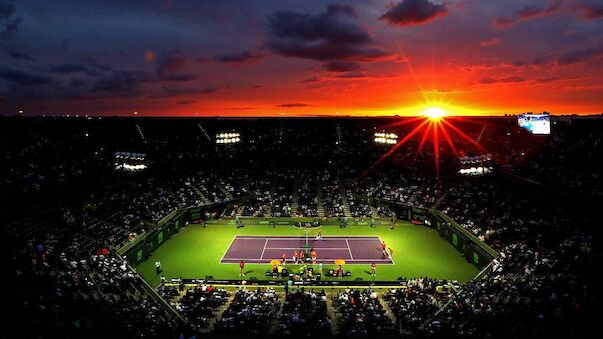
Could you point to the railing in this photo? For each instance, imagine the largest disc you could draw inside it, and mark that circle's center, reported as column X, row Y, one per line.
column 154, row 295
column 492, row 253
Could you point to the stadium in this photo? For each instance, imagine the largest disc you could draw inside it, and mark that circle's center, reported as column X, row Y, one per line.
column 316, row 169
column 163, row 216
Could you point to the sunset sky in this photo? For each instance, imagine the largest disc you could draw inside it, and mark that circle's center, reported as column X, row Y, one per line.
column 293, row 57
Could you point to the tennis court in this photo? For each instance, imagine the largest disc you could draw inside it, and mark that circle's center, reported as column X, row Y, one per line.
column 263, row 249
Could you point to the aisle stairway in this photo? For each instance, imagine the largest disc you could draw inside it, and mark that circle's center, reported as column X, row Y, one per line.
column 198, row 192
column 374, row 212
column 224, row 190
column 334, row 315
column 319, row 205
column 344, row 201
column 294, row 198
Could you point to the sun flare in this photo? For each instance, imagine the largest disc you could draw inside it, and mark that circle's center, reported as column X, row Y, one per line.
column 435, row 113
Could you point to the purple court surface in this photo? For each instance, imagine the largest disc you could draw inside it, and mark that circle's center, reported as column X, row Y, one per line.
column 263, row 249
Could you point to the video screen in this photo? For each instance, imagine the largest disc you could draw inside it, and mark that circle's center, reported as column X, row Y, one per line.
column 535, row 123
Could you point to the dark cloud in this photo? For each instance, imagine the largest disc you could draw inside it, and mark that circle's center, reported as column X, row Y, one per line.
column 15, row 54
column 9, row 22
column 577, row 56
column 171, row 91
column 86, row 65
column 592, row 11
column 509, row 79
column 170, row 64
column 22, row 78
column 566, row 58
column 527, row 13
column 92, row 63
column 292, row 105
column 239, row 58
column 544, row 60
column 120, row 83
column 414, row 12
column 330, row 35
column 76, row 82
column 6, row 10
column 186, row 102
column 310, row 80
column 342, row 66
column 66, row 68
column 240, row 108
column 490, row 42
column 546, row 80
column 351, row 75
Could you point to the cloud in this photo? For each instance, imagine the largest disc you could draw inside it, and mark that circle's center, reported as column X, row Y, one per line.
column 22, row 78
column 591, row 11
column 120, row 83
column 342, row 66
column 490, row 42
column 351, row 75
column 15, row 54
column 546, row 80
column 6, row 10
column 566, row 58
column 171, row 91
column 168, row 66
column 578, row 56
column 9, row 22
column 527, row 13
column 310, row 80
column 292, row 105
column 186, row 102
column 414, row 12
column 330, row 35
column 544, row 60
column 71, row 68
column 509, row 79
column 245, row 57
column 240, row 108
column 76, row 82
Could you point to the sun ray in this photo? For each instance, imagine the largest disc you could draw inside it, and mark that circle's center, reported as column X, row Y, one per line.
column 394, row 148
column 436, row 148
column 411, row 70
column 465, row 136
column 448, row 140
column 423, row 139
column 404, row 122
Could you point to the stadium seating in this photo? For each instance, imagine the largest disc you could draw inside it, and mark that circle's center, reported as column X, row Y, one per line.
column 68, row 280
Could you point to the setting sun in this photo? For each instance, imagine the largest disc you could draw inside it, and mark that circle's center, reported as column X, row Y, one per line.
column 434, row 113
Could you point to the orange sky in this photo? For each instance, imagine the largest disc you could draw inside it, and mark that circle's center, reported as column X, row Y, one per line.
column 238, row 58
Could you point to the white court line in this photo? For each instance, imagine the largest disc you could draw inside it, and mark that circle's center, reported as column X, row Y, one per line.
column 318, row 259
column 270, row 237
column 326, row 262
column 264, row 250
column 391, row 257
column 390, row 260
column 227, row 248
column 297, row 248
column 349, row 250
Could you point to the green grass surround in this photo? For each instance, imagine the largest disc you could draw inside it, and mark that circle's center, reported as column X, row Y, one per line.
column 195, row 252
